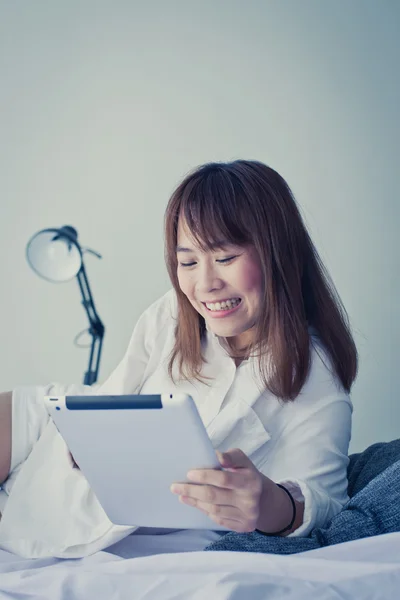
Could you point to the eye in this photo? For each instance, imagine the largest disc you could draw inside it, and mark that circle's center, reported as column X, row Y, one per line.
column 190, row 264
column 226, row 260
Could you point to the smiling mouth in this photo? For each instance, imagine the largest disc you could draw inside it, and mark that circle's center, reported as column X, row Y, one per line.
column 224, row 306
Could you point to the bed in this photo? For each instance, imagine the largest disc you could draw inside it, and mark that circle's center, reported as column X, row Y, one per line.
column 356, row 556
column 356, row 570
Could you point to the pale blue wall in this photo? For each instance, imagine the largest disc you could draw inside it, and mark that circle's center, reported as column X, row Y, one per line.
column 105, row 105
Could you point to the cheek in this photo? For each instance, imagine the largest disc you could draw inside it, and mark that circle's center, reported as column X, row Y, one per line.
column 184, row 282
column 251, row 280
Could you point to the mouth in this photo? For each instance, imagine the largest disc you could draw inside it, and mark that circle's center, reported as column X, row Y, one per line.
column 222, row 308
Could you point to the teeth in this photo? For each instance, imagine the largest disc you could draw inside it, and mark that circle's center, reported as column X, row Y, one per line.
column 226, row 305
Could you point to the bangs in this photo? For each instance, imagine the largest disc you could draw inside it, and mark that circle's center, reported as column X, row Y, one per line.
column 211, row 207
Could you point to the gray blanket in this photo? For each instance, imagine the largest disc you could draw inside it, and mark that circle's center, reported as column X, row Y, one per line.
column 373, row 508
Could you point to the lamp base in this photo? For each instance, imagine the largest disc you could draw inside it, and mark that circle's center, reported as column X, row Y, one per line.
column 90, row 378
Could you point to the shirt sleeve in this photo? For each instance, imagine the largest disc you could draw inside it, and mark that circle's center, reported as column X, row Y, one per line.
column 127, row 377
column 317, row 476
column 310, row 456
column 30, row 417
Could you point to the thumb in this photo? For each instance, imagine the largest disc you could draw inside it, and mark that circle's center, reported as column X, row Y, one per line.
column 234, row 459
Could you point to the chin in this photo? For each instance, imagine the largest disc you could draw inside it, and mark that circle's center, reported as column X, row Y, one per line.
column 223, row 331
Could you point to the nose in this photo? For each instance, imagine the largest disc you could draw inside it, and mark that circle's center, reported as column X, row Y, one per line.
column 208, row 280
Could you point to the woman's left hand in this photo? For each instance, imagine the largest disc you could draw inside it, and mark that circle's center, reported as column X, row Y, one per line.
column 231, row 497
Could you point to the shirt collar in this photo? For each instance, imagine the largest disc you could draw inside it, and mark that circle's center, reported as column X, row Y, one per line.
column 216, row 339
column 209, row 332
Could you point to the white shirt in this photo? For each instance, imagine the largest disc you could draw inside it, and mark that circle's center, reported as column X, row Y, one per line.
column 301, row 444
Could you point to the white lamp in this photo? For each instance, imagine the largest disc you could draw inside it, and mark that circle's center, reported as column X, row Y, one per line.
column 56, row 255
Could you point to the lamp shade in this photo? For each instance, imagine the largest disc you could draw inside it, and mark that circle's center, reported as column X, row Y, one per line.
column 55, row 254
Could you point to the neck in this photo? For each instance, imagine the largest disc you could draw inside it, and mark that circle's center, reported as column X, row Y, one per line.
column 237, row 352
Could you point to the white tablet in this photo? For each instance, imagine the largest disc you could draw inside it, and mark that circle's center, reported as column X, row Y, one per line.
column 132, row 448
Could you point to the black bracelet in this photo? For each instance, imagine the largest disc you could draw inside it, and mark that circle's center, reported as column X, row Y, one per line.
column 293, row 518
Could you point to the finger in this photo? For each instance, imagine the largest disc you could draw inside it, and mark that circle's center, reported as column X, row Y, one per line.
column 223, row 479
column 204, row 493
column 235, row 458
column 225, row 516
column 236, row 526
column 222, row 511
column 197, row 495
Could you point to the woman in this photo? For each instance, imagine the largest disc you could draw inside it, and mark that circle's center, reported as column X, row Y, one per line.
column 254, row 331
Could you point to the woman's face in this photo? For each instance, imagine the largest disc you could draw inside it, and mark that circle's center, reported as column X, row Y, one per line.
column 224, row 285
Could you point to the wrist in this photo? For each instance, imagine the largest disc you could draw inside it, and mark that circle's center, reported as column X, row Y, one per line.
column 277, row 510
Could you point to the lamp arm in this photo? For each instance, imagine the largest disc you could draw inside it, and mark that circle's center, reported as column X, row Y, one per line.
column 96, row 328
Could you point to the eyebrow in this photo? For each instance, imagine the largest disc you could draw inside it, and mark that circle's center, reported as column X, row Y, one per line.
column 214, row 246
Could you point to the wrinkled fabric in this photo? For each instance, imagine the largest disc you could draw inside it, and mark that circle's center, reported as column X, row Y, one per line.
column 66, row 520
column 50, row 510
column 373, row 508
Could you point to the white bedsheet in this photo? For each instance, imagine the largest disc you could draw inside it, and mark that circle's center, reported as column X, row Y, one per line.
column 358, row 570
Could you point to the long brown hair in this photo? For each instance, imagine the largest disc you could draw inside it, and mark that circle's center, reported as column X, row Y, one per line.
column 246, row 202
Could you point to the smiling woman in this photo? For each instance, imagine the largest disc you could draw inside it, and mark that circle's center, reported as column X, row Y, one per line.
column 242, row 237
column 223, row 284
column 254, row 331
